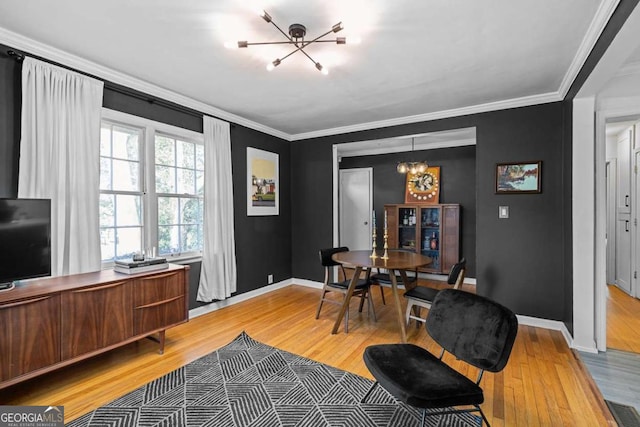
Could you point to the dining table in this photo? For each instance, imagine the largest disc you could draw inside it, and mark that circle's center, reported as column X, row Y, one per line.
column 397, row 262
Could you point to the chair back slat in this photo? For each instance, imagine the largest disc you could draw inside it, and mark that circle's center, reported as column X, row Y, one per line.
column 473, row 328
column 325, row 255
column 456, row 270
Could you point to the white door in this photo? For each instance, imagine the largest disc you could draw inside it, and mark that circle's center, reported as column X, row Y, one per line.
column 611, row 174
column 355, row 205
column 623, row 214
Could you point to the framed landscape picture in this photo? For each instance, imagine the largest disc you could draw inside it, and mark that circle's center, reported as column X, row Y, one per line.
column 518, row 178
column 262, row 182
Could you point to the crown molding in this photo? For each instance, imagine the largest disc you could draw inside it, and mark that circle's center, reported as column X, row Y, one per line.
column 30, row 46
column 474, row 109
column 598, row 23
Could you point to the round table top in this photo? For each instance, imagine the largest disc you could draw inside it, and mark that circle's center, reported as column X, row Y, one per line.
column 398, row 260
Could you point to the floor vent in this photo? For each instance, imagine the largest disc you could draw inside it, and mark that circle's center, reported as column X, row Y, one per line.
column 626, row 416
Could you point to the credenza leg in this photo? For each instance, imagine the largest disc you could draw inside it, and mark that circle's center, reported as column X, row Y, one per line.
column 161, row 340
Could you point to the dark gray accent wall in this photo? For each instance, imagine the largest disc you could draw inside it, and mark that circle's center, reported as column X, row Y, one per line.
column 10, row 96
column 263, row 243
column 520, row 260
column 457, row 185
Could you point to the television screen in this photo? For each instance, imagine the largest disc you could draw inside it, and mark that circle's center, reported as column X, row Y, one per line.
column 25, row 239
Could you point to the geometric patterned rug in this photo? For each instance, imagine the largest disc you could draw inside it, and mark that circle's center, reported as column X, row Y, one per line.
column 247, row 383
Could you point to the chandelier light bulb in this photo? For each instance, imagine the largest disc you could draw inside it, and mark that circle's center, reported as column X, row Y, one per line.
column 323, row 70
column 264, row 15
column 422, row 167
column 274, row 64
column 402, row 167
column 413, row 169
column 354, row 40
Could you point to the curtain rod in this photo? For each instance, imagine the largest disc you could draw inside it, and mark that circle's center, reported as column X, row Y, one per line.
column 19, row 56
column 15, row 55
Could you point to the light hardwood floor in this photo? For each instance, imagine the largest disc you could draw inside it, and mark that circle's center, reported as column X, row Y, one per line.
column 544, row 383
column 623, row 321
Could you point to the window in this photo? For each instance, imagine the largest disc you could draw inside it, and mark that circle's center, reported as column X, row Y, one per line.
column 179, row 172
column 121, row 196
column 151, row 188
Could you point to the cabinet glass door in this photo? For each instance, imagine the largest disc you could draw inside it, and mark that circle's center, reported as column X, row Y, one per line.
column 407, row 228
column 430, row 235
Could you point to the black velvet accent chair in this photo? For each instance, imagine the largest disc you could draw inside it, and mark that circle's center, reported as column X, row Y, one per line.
column 361, row 290
column 473, row 328
column 383, row 280
column 422, row 296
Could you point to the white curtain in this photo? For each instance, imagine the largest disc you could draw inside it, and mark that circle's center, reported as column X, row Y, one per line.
column 60, row 160
column 218, row 273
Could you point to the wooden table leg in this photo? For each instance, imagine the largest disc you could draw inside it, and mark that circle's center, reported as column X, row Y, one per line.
column 347, row 299
column 396, row 299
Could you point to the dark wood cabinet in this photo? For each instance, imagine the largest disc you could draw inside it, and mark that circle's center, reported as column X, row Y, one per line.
column 29, row 336
column 431, row 230
column 50, row 323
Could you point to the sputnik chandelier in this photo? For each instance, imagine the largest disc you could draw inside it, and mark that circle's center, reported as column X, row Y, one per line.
column 296, row 35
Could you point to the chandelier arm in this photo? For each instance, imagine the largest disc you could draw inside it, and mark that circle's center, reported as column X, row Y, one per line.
column 307, row 55
column 259, row 43
column 300, row 47
column 300, row 44
column 291, row 53
column 321, row 36
column 283, row 33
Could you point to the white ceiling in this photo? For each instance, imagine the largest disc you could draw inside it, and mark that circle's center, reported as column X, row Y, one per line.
column 417, row 60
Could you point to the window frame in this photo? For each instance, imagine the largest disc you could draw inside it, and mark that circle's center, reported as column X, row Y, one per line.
column 149, row 129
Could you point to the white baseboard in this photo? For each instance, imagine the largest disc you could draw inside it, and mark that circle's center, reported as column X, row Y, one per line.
column 204, row 309
column 554, row 325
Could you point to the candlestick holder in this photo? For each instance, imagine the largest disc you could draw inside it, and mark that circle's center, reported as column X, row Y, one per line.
column 386, row 245
column 373, row 255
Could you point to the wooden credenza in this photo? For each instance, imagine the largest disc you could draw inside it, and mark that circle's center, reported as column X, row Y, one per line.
column 49, row 323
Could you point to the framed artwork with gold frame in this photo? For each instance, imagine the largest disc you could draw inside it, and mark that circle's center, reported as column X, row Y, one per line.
column 423, row 187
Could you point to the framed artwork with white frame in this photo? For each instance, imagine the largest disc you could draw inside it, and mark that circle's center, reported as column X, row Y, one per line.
column 263, row 191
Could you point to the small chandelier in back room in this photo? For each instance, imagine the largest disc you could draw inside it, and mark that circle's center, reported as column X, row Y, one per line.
column 295, row 37
column 412, row 167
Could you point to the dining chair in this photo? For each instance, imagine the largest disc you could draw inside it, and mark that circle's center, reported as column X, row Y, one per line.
column 361, row 290
column 474, row 329
column 383, row 280
column 422, row 296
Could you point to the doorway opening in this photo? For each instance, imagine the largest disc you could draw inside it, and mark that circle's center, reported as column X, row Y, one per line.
column 622, row 238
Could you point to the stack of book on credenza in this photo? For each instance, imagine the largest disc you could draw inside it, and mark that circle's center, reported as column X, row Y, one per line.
column 129, row 266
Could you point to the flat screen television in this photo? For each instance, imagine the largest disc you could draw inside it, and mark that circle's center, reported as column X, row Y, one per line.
column 25, row 240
